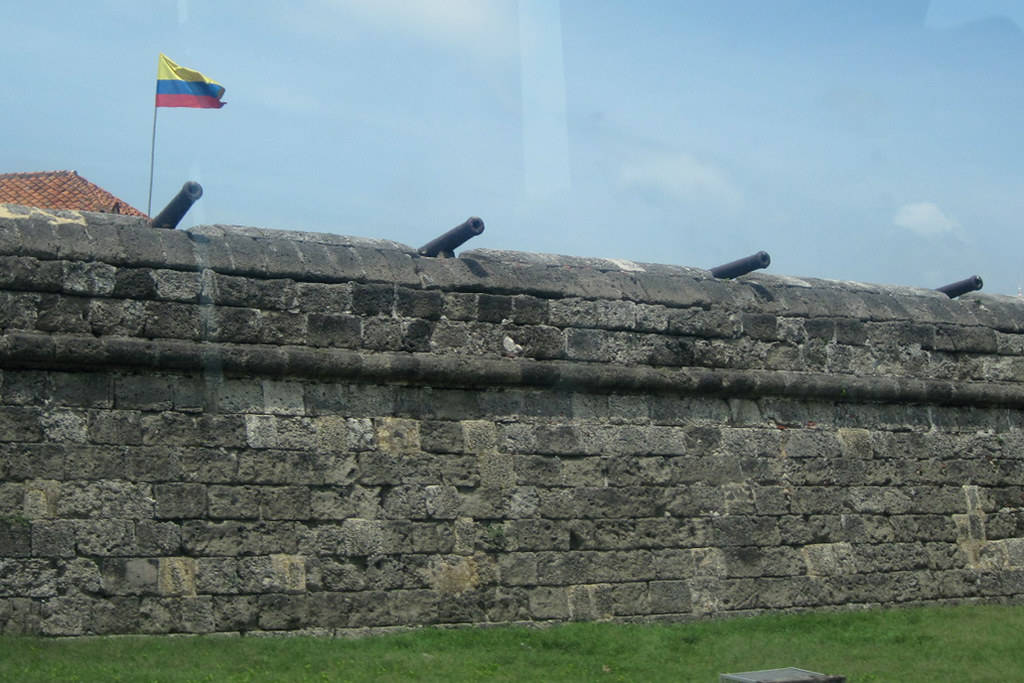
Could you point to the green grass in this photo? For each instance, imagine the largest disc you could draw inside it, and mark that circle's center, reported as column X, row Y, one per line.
column 972, row 643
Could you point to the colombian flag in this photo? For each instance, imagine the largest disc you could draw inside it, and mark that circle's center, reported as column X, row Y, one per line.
column 177, row 86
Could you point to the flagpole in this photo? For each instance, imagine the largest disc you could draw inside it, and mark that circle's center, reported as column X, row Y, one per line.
column 152, row 152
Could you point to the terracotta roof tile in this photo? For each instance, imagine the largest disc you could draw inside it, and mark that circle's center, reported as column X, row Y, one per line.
column 60, row 190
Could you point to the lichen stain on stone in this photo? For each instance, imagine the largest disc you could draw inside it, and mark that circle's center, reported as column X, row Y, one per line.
column 456, row 578
column 52, row 218
column 177, row 576
column 289, row 572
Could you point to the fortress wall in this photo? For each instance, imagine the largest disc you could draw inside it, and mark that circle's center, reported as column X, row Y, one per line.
column 242, row 430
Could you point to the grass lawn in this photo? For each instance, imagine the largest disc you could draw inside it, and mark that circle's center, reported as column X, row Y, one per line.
column 971, row 643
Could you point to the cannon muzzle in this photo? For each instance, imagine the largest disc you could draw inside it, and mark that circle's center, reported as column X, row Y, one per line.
column 177, row 208
column 955, row 289
column 445, row 245
column 742, row 266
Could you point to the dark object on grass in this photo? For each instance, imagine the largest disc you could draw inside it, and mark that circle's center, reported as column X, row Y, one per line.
column 955, row 289
column 177, row 208
column 742, row 266
column 445, row 245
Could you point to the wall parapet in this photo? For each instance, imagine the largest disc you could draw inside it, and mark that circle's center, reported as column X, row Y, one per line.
column 234, row 429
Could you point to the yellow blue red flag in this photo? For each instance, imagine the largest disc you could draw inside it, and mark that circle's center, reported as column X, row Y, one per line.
column 177, row 86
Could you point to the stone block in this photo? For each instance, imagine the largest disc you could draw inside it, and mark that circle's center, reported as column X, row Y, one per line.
column 158, row 538
column 268, row 431
column 441, row 436
column 52, row 538
column 224, row 324
column 279, row 612
column 184, row 614
column 670, row 597
column 430, row 538
column 64, row 426
column 548, row 602
column 233, row 502
column 19, row 616
column 285, row 502
column 19, row 424
column 235, row 613
column 105, row 537
column 177, row 576
column 180, row 501
column 412, row 303
column 373, row 299
column 829, row 559
column 144, row 392
column 15, row 537
column 155, row 463
column 442, row 502
column 277, row 573
column 80, row 390
column 334, row 330
column 62, row 314
column 283, row 398
column 396, row 435
column 170, row 320
column 277, row 327
column 41, row 498
column 175, row 285
column 517, row 569
column 130, row 576
column 121, row 427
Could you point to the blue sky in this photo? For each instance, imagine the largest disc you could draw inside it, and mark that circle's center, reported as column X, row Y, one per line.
column 870, row 140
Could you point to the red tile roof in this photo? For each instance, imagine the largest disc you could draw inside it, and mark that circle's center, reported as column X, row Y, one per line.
column 60, row 190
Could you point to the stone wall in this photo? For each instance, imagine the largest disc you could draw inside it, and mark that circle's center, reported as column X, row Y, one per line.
column 243, row 430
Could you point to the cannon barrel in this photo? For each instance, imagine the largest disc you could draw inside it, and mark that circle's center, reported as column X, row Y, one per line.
column 445, row 245
column 955, row 289
column 742, row 266
column 178, row 206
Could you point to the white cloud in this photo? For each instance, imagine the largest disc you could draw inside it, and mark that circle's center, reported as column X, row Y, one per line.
column 681, row 177
column 924, row 218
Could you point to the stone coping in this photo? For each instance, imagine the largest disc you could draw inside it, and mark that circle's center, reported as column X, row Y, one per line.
column 316, row 257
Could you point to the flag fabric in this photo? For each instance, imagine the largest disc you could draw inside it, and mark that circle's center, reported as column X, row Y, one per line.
column 177, row 86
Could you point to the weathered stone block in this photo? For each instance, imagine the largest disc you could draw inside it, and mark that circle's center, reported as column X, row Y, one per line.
column 41, row 498
column 130, row 576
column 669, row 597
column 225, row 324
column 283, row 612
column 829, row 559
column 233, row 502
column 105, row 537
column 19, row 616
column 51, row 538
column 177, row 576
column 122, row 427
column 15, row 537
column 373, row 299
column 20, row 424
column 396, row 435
column 175, row 285
column 158, row 538
column 141, row 392
column 235, row 613
column 337, row 330
column 179, row 501
column 284, row 502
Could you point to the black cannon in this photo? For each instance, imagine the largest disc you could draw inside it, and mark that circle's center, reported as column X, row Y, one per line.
column 742, row 266
column 177, row 208
column 445, row 245
column 955, row 289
